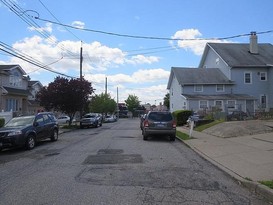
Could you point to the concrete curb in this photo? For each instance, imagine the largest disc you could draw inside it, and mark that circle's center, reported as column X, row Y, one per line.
column 255, row 187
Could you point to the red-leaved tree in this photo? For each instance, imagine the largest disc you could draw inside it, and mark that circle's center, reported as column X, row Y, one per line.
column 65, row 95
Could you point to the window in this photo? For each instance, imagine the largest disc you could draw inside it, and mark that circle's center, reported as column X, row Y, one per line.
column 263, row 101
column 263, row 76
column 220, row 88
column 15, row 79
column 198, row 88
column 12, row 104
column 203, row 104
column 231, row 104
column 248, row 78
column 219, row 104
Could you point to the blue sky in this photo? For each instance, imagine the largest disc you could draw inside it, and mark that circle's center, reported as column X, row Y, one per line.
column 137, row 66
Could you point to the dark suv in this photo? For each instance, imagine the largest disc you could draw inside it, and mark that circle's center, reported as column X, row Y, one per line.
column 25, row 131
column 159, row 123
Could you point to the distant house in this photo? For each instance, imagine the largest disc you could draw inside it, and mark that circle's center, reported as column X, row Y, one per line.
column 230, row 76
column 17, row 92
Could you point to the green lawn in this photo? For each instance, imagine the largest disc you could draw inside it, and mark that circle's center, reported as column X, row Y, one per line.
column 267, row 183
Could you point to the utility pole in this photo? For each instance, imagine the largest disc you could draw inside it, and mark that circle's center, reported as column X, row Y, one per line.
column 117, row 105
column 105, row 85
column 81, row 63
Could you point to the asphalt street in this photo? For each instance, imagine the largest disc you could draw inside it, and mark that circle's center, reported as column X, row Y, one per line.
column 112, row 164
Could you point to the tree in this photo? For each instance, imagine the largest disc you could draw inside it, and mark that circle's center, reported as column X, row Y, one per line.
column 67, row 96
column 167, row 100
column 102, row 104
column 132, row 103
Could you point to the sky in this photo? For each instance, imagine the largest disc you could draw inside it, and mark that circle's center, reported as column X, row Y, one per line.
column 133, row 44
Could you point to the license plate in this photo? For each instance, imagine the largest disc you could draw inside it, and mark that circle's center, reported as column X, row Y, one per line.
column 161, row 125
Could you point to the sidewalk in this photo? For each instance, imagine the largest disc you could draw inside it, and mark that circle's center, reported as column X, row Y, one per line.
column 248, row 159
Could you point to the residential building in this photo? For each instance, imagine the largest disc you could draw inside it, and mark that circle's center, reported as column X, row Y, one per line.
column 230, row 76
column 17, row 92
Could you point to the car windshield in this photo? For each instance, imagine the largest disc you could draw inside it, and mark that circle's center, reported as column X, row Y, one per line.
column 20, row 121
column 90, row 116
column 160, row 116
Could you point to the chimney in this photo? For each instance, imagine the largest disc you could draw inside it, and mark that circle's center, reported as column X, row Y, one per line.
column 253, row 43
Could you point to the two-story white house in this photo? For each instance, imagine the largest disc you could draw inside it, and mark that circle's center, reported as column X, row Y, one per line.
column 17, row 92
column 230, row 76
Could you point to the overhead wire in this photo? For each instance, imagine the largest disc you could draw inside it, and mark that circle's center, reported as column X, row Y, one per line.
column 11, row 51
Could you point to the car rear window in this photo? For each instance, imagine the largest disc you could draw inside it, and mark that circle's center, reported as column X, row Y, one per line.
column 160, row 116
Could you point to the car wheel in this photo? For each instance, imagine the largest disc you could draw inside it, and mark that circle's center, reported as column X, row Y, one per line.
column 55, row 135
column 30, row 142
column 172, row 138
column 145, row 137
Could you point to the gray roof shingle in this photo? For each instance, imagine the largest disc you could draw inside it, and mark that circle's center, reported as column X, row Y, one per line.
column 190, row 76
column 238, row 55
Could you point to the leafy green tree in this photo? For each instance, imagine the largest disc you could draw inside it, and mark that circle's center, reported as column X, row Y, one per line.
column 102, row 103
column 65, row 95
column 132, row 102
column 167, row 100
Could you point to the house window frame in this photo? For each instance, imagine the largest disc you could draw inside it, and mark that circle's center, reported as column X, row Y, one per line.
column 222, row 103
column 200, row 103
column 198, row 90
column 231, row 107
column 263, row 101
column 220, row 90
column 265, row 76
column 246, row 78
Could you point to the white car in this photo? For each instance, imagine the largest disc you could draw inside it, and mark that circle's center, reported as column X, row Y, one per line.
column 110, row 118
column 63, row 119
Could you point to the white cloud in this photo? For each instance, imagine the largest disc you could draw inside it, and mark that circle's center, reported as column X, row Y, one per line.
column 78, row 24
column 191, row 40
column 47, row 28
column 140, row 59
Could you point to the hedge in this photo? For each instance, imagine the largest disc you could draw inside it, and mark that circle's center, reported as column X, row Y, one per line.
column 181, row 116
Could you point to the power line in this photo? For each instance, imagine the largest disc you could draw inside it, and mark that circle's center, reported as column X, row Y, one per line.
column 8, row 49
column 57, row 19
column 148, row 37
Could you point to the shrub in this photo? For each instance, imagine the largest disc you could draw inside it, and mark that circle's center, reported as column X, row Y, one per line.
column 2, row 122
column 181, row 116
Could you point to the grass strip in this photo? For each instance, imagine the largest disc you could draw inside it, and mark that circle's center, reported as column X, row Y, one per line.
column 206, row 126
column 267, row 183
column 182, row 135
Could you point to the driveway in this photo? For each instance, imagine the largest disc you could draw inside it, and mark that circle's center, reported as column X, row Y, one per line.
column 240, row 128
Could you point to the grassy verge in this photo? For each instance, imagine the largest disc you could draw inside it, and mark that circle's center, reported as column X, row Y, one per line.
column 182, row 135
column 267, row 183
column 203, row 127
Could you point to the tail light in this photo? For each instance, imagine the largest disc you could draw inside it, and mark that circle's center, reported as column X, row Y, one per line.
column 146, row 123
column 174, row 124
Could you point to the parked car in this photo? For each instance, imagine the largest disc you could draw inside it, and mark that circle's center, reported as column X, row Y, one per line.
column 110, row 118
column 237, row 115
column 91, row 120
column 63, row 119
column 142, row 118
column 159, row 123
column 26, row 131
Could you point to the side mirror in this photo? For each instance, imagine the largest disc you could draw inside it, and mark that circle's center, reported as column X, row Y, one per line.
column 35, row 124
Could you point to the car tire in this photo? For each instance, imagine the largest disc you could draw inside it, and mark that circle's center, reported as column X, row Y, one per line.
column 145, row 137
column 55, row 135
column 172, row 138
column 30, row 142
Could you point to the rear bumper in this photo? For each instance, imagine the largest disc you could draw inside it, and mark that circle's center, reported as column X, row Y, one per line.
column 169, row 132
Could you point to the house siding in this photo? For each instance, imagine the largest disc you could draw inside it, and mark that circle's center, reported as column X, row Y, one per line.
column 214, row 61
column 176, row 100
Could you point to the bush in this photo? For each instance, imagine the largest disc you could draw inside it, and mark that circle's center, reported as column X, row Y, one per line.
column 2, row 122
column 181, row 116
